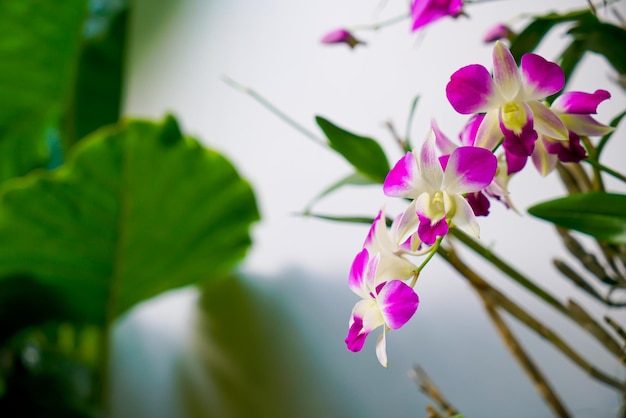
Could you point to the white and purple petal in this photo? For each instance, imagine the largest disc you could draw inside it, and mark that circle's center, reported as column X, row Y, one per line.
column 464, row 217
column 584, row 125
column 489, row 134
column 471, row 90
column 470, row 169
column 429, row 231
column 578, row 102
column 397, row 302
column 403, row 178
column 547, row 122
column 541, row 78
column 430, row 168
column 506, row 75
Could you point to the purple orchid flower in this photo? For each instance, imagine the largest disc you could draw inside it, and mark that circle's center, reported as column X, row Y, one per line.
column 389, row 304
column 341, row 36
column 511, row 101
column 438, row 189
column 424, row 12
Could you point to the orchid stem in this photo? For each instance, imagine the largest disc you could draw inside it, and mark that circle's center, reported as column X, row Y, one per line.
column 275, row 110
column 606, row 169
column 380, row 25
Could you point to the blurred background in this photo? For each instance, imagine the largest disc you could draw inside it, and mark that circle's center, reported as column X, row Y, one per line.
column 290, row 304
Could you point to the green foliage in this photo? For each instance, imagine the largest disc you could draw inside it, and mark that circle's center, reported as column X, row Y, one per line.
column 601, row 215
column 138, row 209
column 587, row 34
column 364, row 153
column 39, row 49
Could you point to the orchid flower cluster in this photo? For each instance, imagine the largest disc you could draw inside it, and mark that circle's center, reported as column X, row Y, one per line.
column 448, row 186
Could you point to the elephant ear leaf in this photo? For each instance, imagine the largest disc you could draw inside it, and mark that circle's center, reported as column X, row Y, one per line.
column 137, row 209
column 601, row 215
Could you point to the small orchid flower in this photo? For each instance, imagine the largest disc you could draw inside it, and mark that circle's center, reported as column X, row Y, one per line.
column 497, row 32
column 339, row 36
column 574, row 109
column 424, row 12
column 393, row 244
column 438, row 188
column 511, row 100
column 389, row 304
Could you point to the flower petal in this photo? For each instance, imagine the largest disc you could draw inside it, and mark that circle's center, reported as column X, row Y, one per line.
column 505, row 72
column 429, row 166
column 470, row 169
column 579, row 102
column 585, row 125
column 355, row 340
column 479, row 203
column 544, row 161
column 547, row 122
column 363, row 273
column 469, row 133
column 489, row 133
column 425, row 12
column 464, row 217
column 514, row 163
column 381, row 348
column 471, row 90
column 441, row 140
column 541, row 77
column 403, row 177
column 397, row 302
column 429, row 231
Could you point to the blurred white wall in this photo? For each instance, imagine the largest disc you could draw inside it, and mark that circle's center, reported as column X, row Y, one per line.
column 177, row 55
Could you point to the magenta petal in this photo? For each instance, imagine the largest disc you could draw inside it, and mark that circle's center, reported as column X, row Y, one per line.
column 497, row 32
column 428, row 233
column 568, row 152
column 371, row 233
column 514, row 163
column 397, row 302
column 541, row 77
column 469, row 169
column 578, row 102
column 470, row 89
column 479, row 203
column 522, row 143
column 424, row 12
column 441, row 140
column 398, row 180
column 355, row 340
column 468, row 134
column 357, row 272
column 338, row 36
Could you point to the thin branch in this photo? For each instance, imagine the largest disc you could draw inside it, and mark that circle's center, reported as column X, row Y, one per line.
column 501, row 300
column 534, row 373
column 426, row 385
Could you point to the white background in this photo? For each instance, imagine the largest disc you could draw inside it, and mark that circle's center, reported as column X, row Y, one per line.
column 176, row 58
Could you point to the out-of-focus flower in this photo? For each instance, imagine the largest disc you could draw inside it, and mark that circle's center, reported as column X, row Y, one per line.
column 424, row 12
column 389, row 304
column 438, row 186
column 341, row 36
column 511, row 100
column 498, row 32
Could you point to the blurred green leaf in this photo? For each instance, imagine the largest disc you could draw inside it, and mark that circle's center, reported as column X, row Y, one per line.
column 39, row 50
column 138, row 209
column 364, row 153
column 98, row 91
column 601, row 215
column 530, row 37
column 605, row 39
column 605, row 139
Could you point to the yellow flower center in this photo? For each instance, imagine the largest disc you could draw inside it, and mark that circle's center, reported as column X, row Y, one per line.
column 514, row 116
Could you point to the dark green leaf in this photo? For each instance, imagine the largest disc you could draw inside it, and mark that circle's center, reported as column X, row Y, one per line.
column 364, row 153
column 569, row 60
column 138, row 209
column 98, row 91
column 601, row 215
column 39, row 50
column 530, row 37
column 605, row 39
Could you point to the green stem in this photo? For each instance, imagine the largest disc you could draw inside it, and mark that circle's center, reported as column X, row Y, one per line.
column 275, row 110
column 606, row 169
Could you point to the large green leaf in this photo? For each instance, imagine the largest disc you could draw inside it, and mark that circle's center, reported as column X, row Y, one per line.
column 601, row 215
column 364, row 153
column 138, row 209
column 39, row 50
